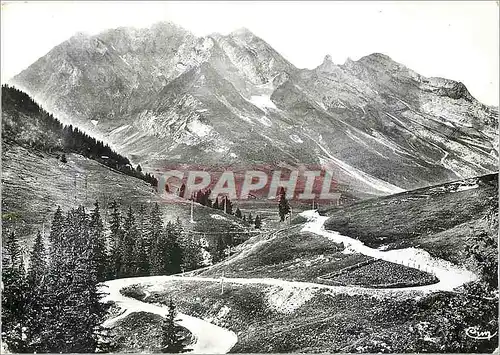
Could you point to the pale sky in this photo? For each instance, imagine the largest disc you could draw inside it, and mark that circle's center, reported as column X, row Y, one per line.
column 456, row 40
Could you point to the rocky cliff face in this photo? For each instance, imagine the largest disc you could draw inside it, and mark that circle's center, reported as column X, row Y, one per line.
column 162, row 96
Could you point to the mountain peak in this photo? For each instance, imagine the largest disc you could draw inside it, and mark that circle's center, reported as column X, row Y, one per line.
column 241, row 32
column 376, row 58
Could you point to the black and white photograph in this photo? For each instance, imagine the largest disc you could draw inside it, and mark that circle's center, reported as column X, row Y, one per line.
column 216, row 177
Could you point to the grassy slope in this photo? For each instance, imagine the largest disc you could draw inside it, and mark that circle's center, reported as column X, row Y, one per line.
column 439, row 219
column 300, row 256
column 140, row 332
column 34, row 183
column 271, row 319
column 320, row 322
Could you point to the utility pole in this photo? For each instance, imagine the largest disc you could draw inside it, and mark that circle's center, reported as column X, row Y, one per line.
column 192, row 211
column 86, row 189
column 225, row 205
column 222, row 284
column 74, row 184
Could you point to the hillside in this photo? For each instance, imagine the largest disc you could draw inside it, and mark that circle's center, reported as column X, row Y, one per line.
column 309, row 288
column 35, row 180
column 442, row 220
column 164, row 96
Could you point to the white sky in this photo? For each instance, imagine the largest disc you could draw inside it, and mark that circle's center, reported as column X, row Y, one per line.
column 456, row 40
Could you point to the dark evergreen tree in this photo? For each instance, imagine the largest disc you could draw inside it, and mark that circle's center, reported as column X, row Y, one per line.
column 116, row 236
column 283, row 205
column 173, row 249
column 98, row 243
column 257, row 222
column 37, row 305
column 216, row 203
column 250, row 218
column 14, row 296
column 63, row 158
column 141, row 259
column 172, row 340
column 154, row 227
column 130, row 236
column 238, row 212
column 218, row 249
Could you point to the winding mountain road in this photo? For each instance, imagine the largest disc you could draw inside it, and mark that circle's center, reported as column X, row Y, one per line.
column 213, row 339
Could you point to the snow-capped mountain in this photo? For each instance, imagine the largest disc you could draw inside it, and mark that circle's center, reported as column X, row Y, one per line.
column 164, row 96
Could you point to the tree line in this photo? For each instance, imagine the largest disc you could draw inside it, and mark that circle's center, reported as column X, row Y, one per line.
column 50, row 135
column 223, row 203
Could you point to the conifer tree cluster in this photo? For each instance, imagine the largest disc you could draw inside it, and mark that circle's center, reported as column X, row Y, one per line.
column 50, row 135
column 54, row 306
column 140, row 244
column 257, row 222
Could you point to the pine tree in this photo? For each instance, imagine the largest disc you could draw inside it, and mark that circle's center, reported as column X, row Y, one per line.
column 173, row 249
column 141, row 259
column 172, row 340
column 37, row 305
column 98, row 243
column 250, row 218
column 257, row 222
column 76, row 307
column 218, row 250
column 56, row 235
column 154, row 227
column 130, row 236
column 216, row 203
column 283, row 205
column 238, row 212
column 192, row 254
column 116, row 235
column 14, row 296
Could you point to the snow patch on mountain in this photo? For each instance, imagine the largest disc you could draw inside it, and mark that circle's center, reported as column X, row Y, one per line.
column 263, row 101
column 199, row 128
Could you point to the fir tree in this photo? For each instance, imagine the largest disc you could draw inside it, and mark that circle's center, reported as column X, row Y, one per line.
column 250, row 218
column 98, row 243
column 218, row 250
column 173, row 249
column 141, row 259
column 257, row 222
column 14, row 296
column 238, row 212
column 154, row 226
column 56, row 235
column 216, row 203
column 172, row 340
column 283, row 205
column 37, row 304
column 130, row 235
column 116, row 235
